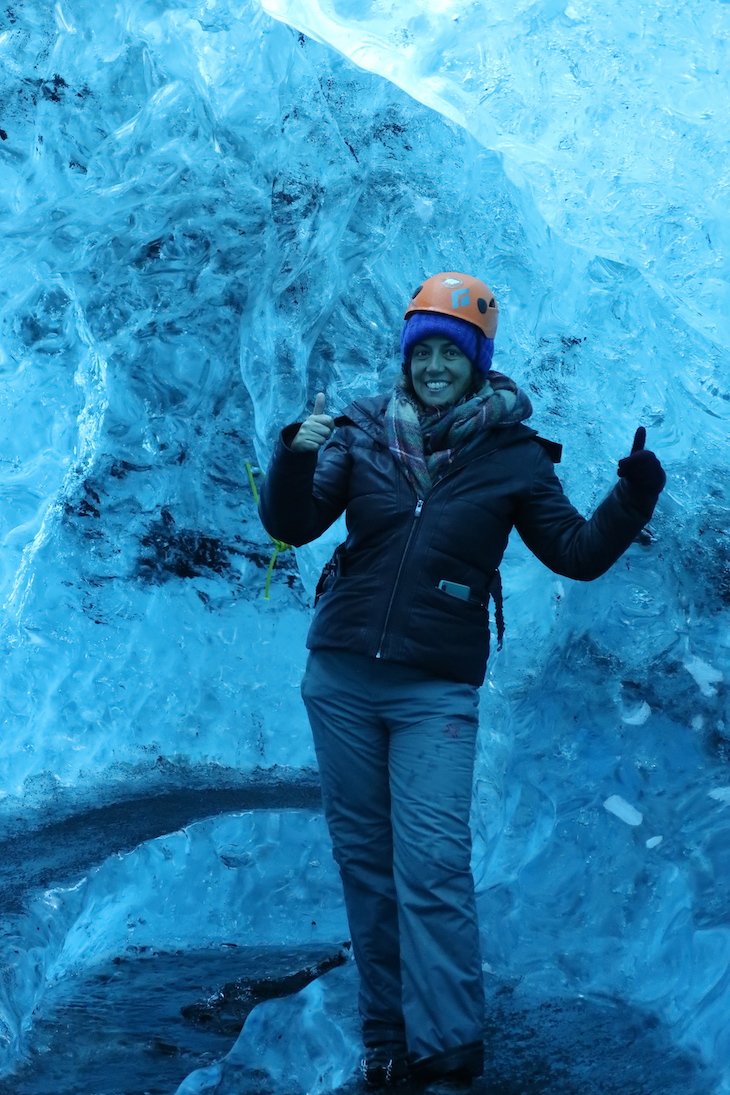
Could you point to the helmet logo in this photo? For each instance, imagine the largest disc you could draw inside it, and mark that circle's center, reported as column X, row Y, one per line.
column 460, row 298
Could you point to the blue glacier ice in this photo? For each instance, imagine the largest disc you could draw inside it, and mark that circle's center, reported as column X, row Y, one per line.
column 209, row 210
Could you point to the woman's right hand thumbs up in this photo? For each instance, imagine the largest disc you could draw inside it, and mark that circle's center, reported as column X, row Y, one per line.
column 314, row 430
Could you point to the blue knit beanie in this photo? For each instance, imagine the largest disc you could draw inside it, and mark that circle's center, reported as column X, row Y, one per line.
column 470, row 340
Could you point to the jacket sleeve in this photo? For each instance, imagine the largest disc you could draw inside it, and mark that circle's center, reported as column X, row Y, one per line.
column 565, row 541
column 304, row 493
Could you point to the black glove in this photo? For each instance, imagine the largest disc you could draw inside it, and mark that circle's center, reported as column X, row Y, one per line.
column 642, row 469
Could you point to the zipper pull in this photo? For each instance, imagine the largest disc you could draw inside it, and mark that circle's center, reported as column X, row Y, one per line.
column 419, row 507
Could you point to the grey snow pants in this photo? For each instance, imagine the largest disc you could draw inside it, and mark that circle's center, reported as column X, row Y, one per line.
column 395, row 748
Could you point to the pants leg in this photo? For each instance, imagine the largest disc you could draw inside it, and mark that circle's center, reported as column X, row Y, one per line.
column 433, row 726
column 352, row 746
column 396, row 753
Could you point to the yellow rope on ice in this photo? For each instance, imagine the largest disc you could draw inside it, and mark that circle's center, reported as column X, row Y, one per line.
column 279, row 545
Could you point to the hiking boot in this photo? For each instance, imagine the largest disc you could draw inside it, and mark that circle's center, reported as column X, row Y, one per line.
column 384, row 1066
column 457, row 1066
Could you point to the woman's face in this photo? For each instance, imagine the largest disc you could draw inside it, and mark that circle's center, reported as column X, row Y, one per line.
column 440, row 373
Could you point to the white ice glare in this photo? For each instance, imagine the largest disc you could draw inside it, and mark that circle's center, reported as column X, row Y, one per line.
column 707, row 676
column 622, row 809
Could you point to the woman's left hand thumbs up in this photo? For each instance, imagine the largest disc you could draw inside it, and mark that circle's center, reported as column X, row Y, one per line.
column 642, row 468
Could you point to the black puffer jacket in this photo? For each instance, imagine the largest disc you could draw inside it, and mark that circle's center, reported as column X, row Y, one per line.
column 384, row 599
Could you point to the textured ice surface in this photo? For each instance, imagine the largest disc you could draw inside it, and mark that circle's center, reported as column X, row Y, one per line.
column 206, row 216
column 614, row 122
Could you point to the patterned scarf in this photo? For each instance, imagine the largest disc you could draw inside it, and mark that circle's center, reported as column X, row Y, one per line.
column 428, row 440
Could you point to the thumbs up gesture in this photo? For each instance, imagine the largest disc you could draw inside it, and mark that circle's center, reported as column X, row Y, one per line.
column 642, row 469
column 314, row 430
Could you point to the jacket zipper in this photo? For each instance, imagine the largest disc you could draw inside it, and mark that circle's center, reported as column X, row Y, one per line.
column 416, row 514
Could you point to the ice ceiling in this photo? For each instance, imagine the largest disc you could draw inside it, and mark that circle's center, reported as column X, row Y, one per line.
column 208, row 211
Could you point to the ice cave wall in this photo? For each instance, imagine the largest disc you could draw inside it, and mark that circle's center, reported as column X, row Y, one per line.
column 206, row 215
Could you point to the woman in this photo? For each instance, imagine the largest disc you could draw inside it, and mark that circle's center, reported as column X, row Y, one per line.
column 432, row 477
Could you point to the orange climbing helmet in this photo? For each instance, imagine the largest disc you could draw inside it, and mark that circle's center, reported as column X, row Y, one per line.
column 459, row 295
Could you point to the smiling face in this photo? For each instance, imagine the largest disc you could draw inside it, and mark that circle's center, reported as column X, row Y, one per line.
column 440, row 373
